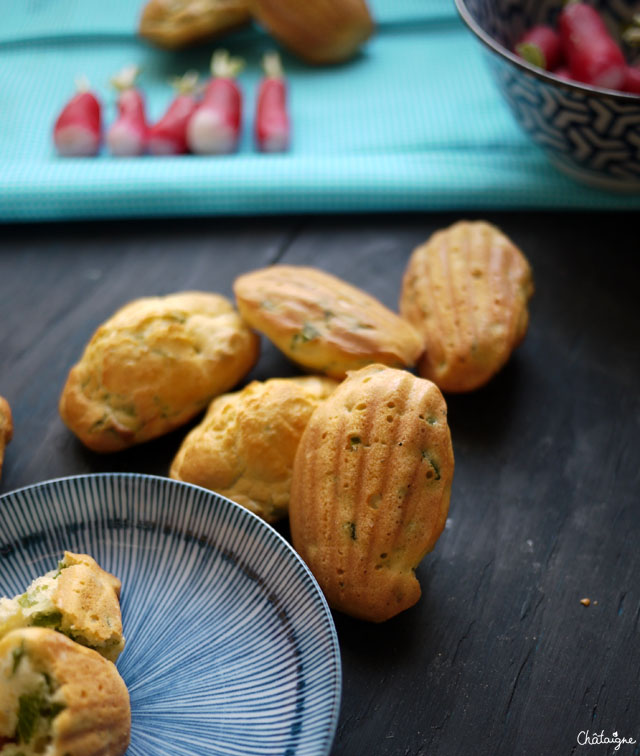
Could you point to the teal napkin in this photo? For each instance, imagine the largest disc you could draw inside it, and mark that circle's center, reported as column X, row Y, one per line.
column 413, row 123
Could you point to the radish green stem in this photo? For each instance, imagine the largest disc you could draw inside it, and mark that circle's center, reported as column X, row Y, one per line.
column 125, row 78
column 224, row 66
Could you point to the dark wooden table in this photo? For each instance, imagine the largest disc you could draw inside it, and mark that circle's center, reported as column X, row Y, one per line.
column 499, row 656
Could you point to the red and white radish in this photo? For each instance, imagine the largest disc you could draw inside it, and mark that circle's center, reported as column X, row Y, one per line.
column 592, row 54
column 127, row 136
column 78, row 129
column 272, row 125
column 541, row 46
column 563, row 72
column 215, row 126
column 169, row 135
column 632, row 80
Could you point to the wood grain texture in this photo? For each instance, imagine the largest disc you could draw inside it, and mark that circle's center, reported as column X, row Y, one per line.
column 498, row 656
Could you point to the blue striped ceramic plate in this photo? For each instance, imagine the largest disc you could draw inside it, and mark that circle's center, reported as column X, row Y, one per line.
column 231, row 648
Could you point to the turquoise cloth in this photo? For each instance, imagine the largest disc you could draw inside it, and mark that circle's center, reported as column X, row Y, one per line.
column 413, row 123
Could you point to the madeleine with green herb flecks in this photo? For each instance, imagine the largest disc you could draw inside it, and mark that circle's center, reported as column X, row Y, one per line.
column 466, row 291
column 58, row 698
column 78, row 598
column 323, row 323
column 370, row 489
column 245, row 445
column 154, row 365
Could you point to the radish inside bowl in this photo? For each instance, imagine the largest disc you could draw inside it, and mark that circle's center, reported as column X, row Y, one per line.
column 591, row 133
column 500, row 24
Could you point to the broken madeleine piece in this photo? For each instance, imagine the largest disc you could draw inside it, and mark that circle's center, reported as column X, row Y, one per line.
column 78, row 598
column 323, row 323
column 58, row 698
column 173, row 24
column 245, row 446
column 319, row 32
column 466, row 291
column 370, row 490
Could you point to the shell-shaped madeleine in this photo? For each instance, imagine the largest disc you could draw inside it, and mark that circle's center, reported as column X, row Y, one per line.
column 323, row 323
column 78, row 599
column 370, row 489
column 245, row 446
column 466, row 290
column 322, row 31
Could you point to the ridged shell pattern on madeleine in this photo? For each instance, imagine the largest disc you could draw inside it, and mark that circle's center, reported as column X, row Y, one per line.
column 323, row 323
column 154, row 365
column 245, row 446
column 322, row 31
column 370, row 490
column 466, row 290
column 58, row 698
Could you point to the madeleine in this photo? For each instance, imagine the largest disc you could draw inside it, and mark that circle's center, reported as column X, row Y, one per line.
column 466, row 291
column 370, row 490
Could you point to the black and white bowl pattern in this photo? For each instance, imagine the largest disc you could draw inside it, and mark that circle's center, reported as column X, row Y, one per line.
column 591, row 134
column 231, row 649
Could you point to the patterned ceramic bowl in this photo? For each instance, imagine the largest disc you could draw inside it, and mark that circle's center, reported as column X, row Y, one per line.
column 589, row 133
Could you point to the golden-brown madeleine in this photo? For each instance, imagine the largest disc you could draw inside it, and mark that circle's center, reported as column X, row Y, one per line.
column 322, row 31
column 370, row 489
column 178, row 23
column 244, row 447
column 466, row 290
column 323, row 323
column 58, row 698
column 78, row 598
column 6, row 427
column 154, row 365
